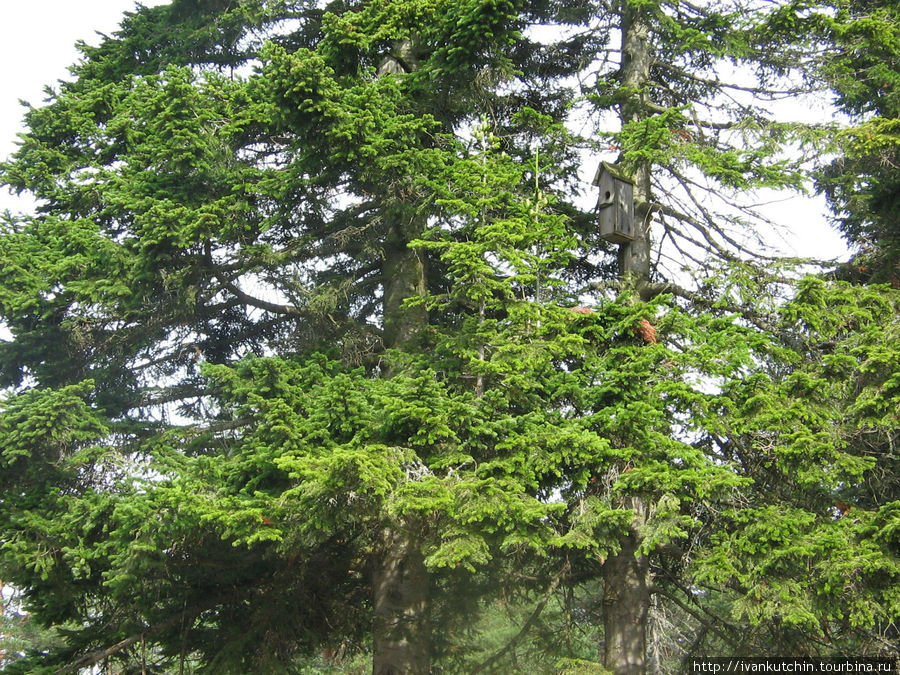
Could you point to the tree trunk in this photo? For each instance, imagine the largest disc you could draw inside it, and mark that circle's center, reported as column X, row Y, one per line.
column 626, row 575
column 402, row 636
column 402, row 630
column 626, row 604
column 637, row 57
column 404, row 277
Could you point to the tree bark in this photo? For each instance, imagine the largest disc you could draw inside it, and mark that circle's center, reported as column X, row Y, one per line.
column 404, row 277
column 626, row 575
column 402, row 629
column 637, row 57
column 626, row 604
column 402, row 634
column 400, row 584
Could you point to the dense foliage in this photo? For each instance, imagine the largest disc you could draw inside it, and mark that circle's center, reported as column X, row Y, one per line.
column 864, row 68
column 316, row 353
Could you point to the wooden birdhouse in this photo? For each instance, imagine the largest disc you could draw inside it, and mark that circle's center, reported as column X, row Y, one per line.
column 615, row 207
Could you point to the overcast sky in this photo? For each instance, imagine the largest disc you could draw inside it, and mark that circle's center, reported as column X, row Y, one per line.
column 37, row 39
column 37, row 45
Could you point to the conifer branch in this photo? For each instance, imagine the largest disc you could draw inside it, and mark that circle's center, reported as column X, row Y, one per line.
column 99, row 655
column 533, row 617
column 762, row 92
column 259, row 303
column 703, row 616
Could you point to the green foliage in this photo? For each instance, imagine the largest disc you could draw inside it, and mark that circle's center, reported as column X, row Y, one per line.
column 21, row 636
column 279, row 298
column 861, row 183
column 804, row 554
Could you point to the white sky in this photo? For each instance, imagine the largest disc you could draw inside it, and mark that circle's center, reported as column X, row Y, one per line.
column 37, row 39
column 37, row 45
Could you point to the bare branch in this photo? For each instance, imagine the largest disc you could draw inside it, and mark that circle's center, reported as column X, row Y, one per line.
column 703, row 616
column 97, row 656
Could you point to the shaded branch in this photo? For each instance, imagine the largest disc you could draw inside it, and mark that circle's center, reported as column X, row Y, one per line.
column 551, row 589
column 704, row 617
column 170, row 395
column 259, row 303
column 96, row 657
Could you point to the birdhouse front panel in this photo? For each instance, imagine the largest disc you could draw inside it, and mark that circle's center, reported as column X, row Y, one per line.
column 615, row 206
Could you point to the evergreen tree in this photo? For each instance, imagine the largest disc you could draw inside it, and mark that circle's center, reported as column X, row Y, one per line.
column 213, row 249
column 690, row 87
column 863, row 67
column 810, row 556
column 310, row 336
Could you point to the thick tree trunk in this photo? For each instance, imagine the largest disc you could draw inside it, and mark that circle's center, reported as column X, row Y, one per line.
column 626, row 575
column 626, row 604
column 402, row 630
column 402, row 635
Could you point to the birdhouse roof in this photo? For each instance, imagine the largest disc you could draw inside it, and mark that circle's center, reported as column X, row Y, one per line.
column 613, row 170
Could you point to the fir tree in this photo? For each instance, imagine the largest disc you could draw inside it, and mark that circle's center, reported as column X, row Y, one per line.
column 863, row 67
column 310, row 335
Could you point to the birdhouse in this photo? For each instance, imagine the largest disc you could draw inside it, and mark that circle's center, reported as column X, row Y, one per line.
column 615, row 207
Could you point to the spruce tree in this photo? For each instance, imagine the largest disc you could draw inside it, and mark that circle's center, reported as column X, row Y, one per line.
column 312, row 334
column 689, row 87
column 220, row 317
column 862, row 42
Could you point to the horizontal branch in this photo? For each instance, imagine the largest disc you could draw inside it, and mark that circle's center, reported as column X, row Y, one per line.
column 762, row 92
column 170, row 395
column 259, row 303
column 99, row 655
